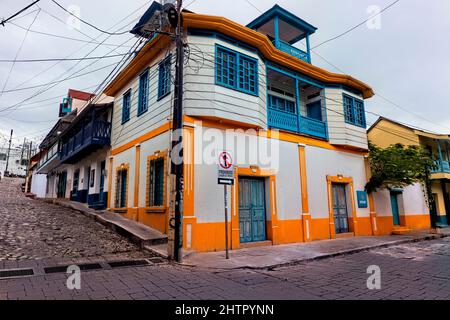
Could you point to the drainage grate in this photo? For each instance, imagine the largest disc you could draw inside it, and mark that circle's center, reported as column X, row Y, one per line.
column 157, row 260
column 128, row 263
column 16, row 273
column 63, row 269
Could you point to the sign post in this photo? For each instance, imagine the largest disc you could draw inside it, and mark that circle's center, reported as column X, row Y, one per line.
column 226, row 177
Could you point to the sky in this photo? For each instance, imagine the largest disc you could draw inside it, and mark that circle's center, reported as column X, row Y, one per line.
column 404, row 56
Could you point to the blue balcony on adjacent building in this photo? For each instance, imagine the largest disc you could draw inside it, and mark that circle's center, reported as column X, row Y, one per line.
column 90, row 131
column 441, row 166
column 283, row 114
column 88, row 138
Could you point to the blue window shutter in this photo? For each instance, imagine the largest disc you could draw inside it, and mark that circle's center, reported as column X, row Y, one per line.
column 126, row 105
column 248, row 76
column 354, row 111
column 143, row 92
column 164, row 78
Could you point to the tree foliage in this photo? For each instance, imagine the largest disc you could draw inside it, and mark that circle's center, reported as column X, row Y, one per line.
column 398, row 166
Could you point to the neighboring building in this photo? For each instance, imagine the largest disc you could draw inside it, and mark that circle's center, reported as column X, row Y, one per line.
column 408, row 208
column 74, row 152
column 252, row 80
column 36, row 183
column 17, row 163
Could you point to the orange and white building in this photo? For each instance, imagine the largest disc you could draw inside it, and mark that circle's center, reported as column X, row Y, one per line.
column 297, row 134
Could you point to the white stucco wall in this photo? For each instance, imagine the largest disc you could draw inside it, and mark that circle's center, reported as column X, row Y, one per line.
column 321, row 163
column 38, row 184
column 410, row 202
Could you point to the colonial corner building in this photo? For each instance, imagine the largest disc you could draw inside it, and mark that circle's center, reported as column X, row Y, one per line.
column 248, row 83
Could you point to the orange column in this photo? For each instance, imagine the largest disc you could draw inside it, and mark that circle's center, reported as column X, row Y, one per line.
column 306, row 216
column 137, row 169
column 110, row 171
column 189, row 219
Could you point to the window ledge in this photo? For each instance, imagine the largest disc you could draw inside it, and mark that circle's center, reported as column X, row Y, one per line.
column 156, row 210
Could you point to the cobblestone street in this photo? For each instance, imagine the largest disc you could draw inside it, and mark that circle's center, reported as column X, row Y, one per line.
column 31, row 229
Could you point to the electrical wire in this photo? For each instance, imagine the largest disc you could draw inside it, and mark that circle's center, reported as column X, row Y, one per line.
column 90, row 24
column 17, row 13
column 17, row 53
column 63, row 59
column 357, row 26
column 98, row 44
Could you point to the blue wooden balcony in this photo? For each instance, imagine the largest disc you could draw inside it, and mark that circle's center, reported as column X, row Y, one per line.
column 289, row 120
column 293, row 51
column 441, row 166
column 88, row 138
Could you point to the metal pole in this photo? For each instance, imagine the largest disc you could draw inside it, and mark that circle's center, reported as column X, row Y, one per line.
column 225, row 194
column 9, row 150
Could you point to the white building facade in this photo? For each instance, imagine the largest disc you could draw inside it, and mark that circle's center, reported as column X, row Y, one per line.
column 296, row 134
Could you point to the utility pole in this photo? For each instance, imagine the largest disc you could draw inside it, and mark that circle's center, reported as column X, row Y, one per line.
column 27, row 180
column 176, row 210
column 23, row 148
column 9, row 150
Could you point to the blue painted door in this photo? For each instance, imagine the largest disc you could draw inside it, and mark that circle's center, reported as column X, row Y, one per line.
column 252, row 213
column 394, row 206
column 340, row 208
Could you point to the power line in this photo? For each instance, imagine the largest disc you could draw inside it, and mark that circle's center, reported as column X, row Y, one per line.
column 90, row 24
column 17, row 54
column 40, row 92
column 61, row 36
column 58, row 81
column 63, row 59
column 357, row 26
column 17, row 13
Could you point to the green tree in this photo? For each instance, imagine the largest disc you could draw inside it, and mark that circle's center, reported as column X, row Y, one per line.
column 398, row 166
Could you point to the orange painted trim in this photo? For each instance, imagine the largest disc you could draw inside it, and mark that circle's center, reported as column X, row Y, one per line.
column 273, row 233
column 137, row 170
column 149, row 135
column 157, row 155
column 111, row 159
column 306, row 217
column 145, row 56
column 263, row 44
column 189, row 172
column 122, row 167
column 353, row 220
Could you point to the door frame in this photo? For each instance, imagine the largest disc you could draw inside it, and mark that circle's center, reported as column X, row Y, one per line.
column 396, row 194
column 263, row 181
column 343, row 186
column 271, row 204
column 352, row 219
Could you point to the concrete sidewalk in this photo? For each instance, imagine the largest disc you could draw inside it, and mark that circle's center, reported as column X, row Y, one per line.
column 285, row 255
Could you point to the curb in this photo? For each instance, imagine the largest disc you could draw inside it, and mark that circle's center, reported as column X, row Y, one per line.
column 330, row 255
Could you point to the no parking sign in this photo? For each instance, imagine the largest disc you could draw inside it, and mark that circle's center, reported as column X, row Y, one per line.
column 225, row 169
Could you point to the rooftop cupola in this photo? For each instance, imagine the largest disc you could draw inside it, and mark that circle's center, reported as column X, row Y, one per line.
column 285, row 29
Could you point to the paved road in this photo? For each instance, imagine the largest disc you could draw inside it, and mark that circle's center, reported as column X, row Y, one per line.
column 413, row 271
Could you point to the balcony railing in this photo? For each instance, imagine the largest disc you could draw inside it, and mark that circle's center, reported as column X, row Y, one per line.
column 94, row 134
column 293, row 122
column 441, row 166
column 293, row 51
